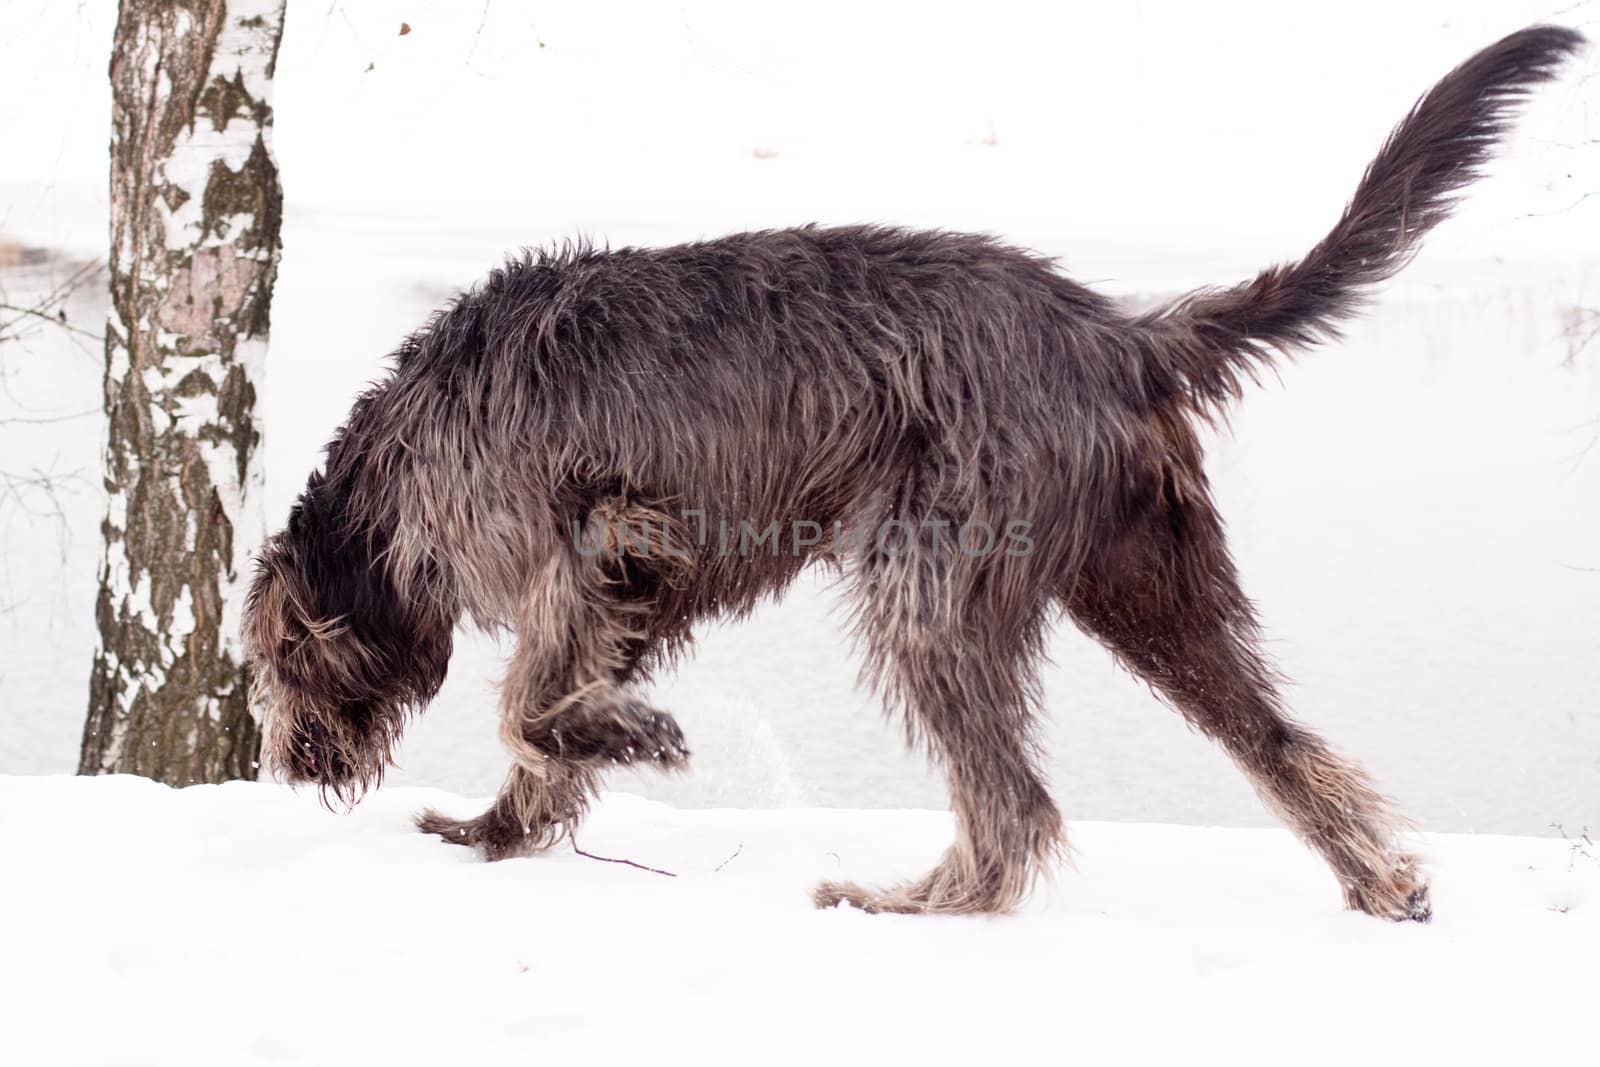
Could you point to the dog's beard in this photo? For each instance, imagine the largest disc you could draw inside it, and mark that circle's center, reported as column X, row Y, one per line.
column 344, row 754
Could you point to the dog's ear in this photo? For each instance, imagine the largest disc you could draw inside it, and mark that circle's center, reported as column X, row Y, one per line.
column 281, row 613
column 269, row 622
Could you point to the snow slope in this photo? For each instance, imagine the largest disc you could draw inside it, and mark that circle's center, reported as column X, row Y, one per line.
column 242, row 924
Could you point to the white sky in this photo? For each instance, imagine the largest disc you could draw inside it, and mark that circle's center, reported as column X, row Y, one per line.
column 1118, row 119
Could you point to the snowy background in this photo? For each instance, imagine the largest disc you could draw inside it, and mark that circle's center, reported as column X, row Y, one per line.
column 1415, row 510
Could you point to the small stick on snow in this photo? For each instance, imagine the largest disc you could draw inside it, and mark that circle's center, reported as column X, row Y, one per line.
column 630, row 863
column 730, row 859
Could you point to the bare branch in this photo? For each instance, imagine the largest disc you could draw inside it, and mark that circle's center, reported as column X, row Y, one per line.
column 50, row 307
column 629, row 863
column 1559, row 210
column 45, row 420
column 730, row 859
column 39, row 311
column 1576, row 846
column 37, row 493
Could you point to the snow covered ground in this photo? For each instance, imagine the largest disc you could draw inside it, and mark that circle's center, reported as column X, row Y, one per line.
column 243, row 925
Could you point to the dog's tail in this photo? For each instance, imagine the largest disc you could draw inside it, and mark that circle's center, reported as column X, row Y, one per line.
column 1206, row 344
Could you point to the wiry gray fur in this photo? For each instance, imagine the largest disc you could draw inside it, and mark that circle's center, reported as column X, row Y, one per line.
column 831, row 376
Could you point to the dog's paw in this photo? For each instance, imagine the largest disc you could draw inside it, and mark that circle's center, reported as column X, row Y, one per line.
column 490, row 833
column 1419, row 905
column 653, row 737
column 627, row 732
column 1402, row 896
column 951, row 888
column 832, row 894
column 913, row 898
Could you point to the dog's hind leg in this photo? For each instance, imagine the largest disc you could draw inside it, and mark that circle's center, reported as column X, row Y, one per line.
column 565, row 715
column 1165, row 599
column 954, row 640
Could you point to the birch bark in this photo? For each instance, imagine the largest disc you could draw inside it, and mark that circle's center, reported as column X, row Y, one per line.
column 195, row 215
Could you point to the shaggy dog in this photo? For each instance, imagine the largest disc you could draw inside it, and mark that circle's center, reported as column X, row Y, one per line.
column 599, row 449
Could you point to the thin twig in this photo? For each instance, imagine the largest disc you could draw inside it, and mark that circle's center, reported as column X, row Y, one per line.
column 1578, row 846
column 730, row 859
column 54, row 320
column 50, row 308
column 630, row 863
column 1560, row 210
column 45, row 420
column 477, row 35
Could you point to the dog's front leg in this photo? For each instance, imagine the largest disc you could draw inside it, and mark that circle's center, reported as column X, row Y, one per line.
column 598, row 724
column 564, row 714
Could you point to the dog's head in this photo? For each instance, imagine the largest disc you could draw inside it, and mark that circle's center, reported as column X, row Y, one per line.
column 340, row 654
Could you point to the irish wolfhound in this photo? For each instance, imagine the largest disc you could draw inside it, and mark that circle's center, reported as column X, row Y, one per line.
column 597, row 449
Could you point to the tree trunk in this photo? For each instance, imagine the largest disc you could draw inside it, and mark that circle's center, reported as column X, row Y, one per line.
column 195, row 214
